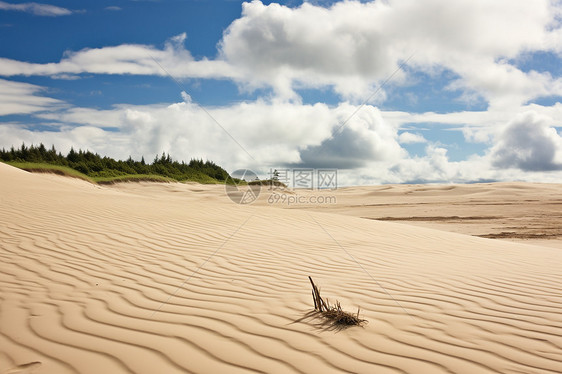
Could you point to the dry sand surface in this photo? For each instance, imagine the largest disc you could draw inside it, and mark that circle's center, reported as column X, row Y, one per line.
column 524, row 212
column 174, row 278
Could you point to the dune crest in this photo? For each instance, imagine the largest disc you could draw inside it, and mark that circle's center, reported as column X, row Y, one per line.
column 177, row 279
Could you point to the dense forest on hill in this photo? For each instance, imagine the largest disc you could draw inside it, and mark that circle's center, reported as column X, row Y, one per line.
column 106, row 169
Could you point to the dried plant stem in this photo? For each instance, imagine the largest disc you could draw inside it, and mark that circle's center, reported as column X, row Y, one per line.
column 335, row 312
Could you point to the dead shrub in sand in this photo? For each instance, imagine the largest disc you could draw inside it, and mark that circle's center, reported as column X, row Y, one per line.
column 334, row 313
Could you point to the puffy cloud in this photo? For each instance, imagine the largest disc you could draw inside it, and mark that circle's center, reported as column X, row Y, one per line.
column 433, row 167
column 310, row 45
column 505, row 86
column 265, row 133
column 363, row 138
column 36, row 9
column 478, row 134
column 527, row 148
column 353, row 45
column 23, row 98
column 410, row 138
column 528, row 143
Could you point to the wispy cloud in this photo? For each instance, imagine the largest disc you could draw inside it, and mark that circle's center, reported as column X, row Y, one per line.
column 113, row 7
column 36, row 9
column 127, row 59
column 67, row 77
column 24, row 98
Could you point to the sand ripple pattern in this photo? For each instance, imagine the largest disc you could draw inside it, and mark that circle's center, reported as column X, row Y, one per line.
column 99, row 280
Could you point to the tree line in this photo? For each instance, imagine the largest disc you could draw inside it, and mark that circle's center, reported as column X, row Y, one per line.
column 96, row 166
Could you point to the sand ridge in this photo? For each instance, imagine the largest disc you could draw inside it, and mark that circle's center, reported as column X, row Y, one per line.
column 175, row 278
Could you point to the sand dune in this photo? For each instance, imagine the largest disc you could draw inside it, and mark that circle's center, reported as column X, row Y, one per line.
column 174, row 278
column 522, row 212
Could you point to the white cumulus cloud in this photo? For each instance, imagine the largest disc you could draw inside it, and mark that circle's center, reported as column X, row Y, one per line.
column 528, row 143
column 351, row 45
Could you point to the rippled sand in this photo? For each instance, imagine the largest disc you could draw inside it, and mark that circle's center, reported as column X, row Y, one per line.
column 172, row 278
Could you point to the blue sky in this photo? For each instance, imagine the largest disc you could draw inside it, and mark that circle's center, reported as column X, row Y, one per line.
column 474, row 92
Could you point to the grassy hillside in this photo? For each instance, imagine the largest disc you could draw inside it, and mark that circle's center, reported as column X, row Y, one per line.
column 105, row 170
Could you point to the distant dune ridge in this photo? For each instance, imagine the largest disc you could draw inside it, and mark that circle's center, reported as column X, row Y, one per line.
column 175, row 278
